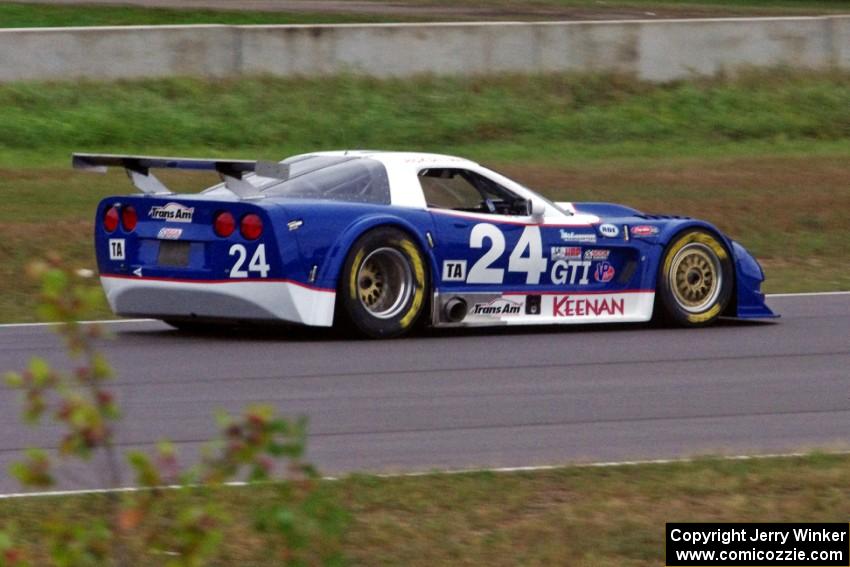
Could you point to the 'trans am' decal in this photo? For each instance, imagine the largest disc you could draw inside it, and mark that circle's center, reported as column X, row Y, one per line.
column 172, row 212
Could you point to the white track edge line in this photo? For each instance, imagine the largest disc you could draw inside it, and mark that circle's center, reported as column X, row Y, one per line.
column 808, row 294
column 100, row 322
column 134, row 321
column 497, row 470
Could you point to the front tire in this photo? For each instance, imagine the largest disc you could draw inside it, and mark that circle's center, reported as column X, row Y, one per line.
column 384, row 283
column 695, row 280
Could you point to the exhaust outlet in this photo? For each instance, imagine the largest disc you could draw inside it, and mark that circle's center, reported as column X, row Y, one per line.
column 455, row 310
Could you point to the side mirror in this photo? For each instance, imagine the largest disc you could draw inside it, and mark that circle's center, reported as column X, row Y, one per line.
column 537, row 210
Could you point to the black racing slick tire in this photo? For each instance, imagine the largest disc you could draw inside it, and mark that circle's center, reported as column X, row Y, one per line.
column 383, row 286
column 695, row 279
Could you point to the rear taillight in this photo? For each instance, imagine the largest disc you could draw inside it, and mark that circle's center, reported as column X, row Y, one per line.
column 224, row 224
column 251, row 227
column 129, row 218
column 110, row 219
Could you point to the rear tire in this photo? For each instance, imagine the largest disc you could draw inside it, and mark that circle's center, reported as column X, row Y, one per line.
column 695, row 279
column 383, row 287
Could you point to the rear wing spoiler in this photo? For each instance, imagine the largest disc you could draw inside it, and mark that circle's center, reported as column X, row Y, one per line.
column 138, row 170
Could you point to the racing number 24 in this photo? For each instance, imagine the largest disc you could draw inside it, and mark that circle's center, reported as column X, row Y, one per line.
column 533, row 263
column 257, row 264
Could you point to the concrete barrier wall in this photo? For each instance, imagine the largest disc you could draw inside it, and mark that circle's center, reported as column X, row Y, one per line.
column 657, row 50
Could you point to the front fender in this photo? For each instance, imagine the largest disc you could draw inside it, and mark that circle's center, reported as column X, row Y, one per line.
column 750, row 302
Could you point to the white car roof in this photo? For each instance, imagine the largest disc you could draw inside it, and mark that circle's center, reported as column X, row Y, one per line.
column 398, row 158
column 384, row 154
column 405, row 190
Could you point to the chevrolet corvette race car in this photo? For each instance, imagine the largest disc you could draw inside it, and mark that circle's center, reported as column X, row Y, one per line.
column 386, row 240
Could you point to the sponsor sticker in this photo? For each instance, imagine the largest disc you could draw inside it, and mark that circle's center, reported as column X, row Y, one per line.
column 566, row 252
column 604, row 272
column 172, row 212
column 567, row 271
column 597, row 254
column 644, row 230
column 116, row 249
column 497, row 308
column 572, row 236
column 580, row 306
column 609, row 230
column 166, row 233
column 454, row 270
column 532, row 304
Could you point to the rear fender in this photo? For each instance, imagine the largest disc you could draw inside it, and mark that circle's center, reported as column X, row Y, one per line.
column 334, row 261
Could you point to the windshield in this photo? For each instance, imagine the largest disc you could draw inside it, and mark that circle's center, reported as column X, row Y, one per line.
column 536, row 193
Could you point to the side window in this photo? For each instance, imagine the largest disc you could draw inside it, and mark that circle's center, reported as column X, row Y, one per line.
column 464, row 190
column 445, row 189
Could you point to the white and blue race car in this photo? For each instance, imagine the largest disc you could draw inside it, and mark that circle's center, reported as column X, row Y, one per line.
column 386, row 240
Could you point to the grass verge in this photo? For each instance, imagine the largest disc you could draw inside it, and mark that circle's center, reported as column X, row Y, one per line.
column 578, row 516
column 764, row 156
column 18, row 14
column 559, row 117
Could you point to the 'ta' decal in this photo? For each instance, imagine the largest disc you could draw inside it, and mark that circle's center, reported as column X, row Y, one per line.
column 454, row 270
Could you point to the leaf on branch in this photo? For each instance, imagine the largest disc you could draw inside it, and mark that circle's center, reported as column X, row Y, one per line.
column 13, row 379
column 34, row 406
column 40, row 370
column 146, row 473
column 101, row 369
column 34, row 471
column 53, row 283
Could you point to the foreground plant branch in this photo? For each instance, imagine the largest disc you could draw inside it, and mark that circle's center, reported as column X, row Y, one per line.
column 301, row 526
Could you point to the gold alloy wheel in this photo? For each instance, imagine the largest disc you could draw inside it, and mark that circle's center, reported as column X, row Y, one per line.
column 384, row 282
column 695, row 277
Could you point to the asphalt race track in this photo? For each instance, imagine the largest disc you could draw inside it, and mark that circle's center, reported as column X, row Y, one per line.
column 494, row 398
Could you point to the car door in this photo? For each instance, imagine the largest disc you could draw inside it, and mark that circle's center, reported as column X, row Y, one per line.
column 497, row 257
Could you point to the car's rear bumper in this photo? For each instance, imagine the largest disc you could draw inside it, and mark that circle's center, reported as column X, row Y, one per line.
column 255, row 300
